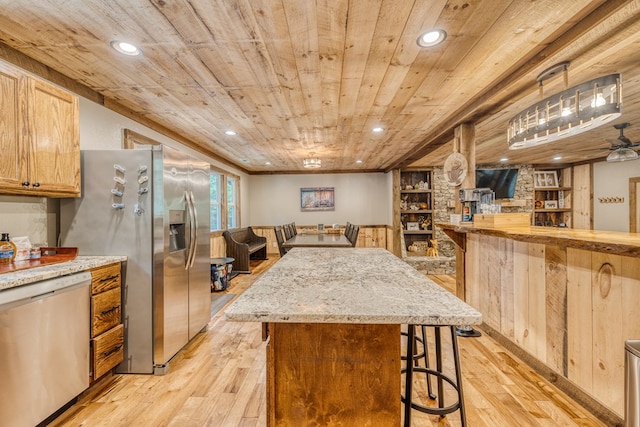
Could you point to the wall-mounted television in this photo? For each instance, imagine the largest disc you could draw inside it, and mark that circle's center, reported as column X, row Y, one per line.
column 501, row 181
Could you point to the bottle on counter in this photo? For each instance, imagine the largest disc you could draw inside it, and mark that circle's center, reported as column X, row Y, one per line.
column 7, row 249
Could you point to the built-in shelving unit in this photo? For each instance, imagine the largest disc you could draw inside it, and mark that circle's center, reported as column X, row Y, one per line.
column 552, row 198
column 416, row 210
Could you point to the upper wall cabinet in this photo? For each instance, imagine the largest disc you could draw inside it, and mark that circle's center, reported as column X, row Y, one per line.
column 39, row 137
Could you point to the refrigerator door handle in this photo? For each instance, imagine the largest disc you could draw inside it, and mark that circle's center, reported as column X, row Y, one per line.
column 191, row 254
column 187, row 199
column 194, row 237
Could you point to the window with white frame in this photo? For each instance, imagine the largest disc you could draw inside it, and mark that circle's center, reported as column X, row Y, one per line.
column 224, row 200
column 216, row 199
column 232, row 204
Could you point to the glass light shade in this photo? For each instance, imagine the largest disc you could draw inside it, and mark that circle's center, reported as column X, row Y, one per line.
column 622, row 154
column 312, row 163
column 568, row 113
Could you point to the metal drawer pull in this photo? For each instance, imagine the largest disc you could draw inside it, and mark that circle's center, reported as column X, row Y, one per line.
column 114, row 308
column 113, row 350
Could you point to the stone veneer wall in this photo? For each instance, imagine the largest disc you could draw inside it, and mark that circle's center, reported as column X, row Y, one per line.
column 443, row 193
column 445, row 263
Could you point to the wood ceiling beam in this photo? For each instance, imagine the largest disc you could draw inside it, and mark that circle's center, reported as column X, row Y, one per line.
column 473, row 111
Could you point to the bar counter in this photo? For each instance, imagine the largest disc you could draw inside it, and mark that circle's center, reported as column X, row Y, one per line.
column 613, row 242
column 334, row 319
column 565, row 300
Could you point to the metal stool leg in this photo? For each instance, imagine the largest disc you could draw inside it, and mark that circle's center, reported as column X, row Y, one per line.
column 441, row 410
column 456, row 362
column 426, row 362
column 408, row 377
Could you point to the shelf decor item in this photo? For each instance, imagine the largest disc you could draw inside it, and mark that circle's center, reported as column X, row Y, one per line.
column 545, row 179
column 413, row 226
column 551, row 204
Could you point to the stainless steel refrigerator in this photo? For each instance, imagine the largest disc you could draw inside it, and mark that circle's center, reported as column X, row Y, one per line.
column 151, row 205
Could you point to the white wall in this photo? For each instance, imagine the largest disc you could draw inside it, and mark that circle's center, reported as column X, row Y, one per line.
column 359, row 198
column 612, row 180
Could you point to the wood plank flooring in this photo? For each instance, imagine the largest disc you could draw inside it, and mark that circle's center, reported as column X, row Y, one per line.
column 218, row 380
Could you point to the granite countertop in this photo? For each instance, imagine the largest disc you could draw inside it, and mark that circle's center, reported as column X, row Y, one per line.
column 348, row 285
column 36, row 274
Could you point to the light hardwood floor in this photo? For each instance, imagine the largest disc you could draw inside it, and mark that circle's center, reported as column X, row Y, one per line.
column 219, row 380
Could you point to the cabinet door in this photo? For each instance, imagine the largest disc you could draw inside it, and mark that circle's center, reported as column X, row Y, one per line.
column 53, row 139
column 10, row 161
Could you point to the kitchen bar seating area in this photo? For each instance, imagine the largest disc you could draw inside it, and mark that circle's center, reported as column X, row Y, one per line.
column 219, row 379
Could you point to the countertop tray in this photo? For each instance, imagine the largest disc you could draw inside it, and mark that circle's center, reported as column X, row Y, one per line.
column 49, row 256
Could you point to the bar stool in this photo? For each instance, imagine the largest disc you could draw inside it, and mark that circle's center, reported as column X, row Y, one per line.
column 423, row 354
column 441, row 410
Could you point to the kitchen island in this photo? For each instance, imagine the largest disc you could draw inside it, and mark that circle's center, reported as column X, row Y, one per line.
column 334, row 319
column 565, row 300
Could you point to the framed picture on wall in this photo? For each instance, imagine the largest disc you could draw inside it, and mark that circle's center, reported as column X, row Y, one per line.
column 545, row 179
column 317, row 199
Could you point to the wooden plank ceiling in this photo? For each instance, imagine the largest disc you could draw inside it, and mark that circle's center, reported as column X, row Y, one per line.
column 300, row 78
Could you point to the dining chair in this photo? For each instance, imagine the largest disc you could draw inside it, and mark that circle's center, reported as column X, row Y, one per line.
column 294, row 230
column 278, row 231
column 287, row 231
column 355, row 229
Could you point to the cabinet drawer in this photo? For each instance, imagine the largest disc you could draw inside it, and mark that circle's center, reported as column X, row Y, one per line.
column 107, row 351
column 106, row 311
column 104, row 278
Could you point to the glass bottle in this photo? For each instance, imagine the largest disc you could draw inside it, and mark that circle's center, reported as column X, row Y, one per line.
column 7, row 249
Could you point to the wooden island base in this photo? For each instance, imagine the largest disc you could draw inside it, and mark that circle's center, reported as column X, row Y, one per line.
column 333, row 374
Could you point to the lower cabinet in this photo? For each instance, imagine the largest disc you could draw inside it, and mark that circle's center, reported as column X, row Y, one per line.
column 107, row 331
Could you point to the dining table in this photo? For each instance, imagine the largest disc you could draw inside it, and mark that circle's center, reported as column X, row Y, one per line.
column 318, row 240
column 333, row 321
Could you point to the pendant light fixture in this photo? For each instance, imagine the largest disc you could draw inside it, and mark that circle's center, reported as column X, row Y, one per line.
column 568, row 113
column 312, row 162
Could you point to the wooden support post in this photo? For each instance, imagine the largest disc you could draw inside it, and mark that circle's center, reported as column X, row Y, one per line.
column 464, row 142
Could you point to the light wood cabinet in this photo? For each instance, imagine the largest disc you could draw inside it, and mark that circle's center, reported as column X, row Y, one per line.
column 39, row 137
column 107, row 331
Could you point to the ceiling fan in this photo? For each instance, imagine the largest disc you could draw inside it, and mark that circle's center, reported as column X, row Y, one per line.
column 622, row 150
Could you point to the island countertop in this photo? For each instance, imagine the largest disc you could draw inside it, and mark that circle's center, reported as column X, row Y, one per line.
column 36, row 274
column 348, row 285
column 613, row 242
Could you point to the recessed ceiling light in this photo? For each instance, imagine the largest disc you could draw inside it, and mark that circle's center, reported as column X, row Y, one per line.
column 377, row 129
column 267, row 163
column 504, row 159
column 230, row 132
column 126, row 48
column 244, row 160
column 358, row 161
column 431, row 38
column 557, row 158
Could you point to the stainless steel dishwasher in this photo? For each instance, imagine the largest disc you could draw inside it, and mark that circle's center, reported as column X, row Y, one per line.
column 44, row 347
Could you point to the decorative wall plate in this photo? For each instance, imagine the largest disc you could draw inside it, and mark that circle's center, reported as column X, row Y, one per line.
column 455, row 169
